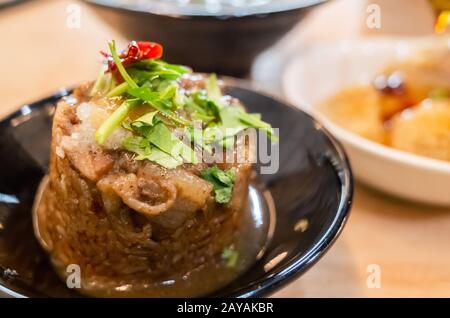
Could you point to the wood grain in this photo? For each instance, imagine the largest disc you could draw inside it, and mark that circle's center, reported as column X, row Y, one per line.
column 410, row 243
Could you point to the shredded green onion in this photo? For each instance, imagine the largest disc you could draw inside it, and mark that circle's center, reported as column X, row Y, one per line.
column 118, row 90
column 122, row 71
column 114, row 120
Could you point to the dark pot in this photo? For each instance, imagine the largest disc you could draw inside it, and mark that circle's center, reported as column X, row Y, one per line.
column 221, row 44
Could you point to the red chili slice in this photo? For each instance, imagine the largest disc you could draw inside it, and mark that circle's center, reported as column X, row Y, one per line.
column 150, row 50
column 135, row 52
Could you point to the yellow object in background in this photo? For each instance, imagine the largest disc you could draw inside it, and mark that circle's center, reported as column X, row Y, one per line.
column 442, row 8
column 443, row 22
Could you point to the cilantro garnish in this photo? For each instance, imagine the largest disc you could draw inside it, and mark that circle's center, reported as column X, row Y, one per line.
column 223, row 182
column 144, row 150
column 158, row 102
column 161, row 137
column 230, row 256
column 153, row 82
column 156, row 142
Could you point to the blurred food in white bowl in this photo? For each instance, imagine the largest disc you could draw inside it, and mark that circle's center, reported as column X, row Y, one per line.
column 388, row 102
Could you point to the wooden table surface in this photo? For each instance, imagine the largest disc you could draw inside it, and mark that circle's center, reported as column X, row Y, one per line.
column 409, row 244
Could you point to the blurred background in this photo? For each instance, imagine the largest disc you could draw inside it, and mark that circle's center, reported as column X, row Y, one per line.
column 50, row 44
column 225, row 36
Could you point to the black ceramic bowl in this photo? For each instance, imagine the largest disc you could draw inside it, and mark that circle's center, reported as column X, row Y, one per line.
column 225, row 42
column 311, row 196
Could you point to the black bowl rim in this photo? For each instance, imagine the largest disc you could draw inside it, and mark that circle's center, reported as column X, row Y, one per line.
column 269, row 284
column 270, row 8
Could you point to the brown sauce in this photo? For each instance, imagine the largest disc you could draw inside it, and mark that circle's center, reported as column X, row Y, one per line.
column 250, row 240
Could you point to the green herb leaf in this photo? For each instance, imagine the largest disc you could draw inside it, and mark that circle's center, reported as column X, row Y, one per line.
column 154, row 99
column 162, row 137
column 195, row 135
column 138, row 145
column 223, row 195
column 143, row 124
column 230, row 256
column 145, row 120
column 223, row 182
column 230, row 118
column 153, row 68
column 254, row 121
column 164, row 159
column 156, row 64
column 230, row 126
column 235, row 119
column 144, row 150
column 200, row 109
column 169, row 92
column 209, row 106
column 145, row 93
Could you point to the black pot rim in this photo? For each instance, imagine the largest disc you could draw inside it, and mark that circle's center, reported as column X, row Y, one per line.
column 270, row 8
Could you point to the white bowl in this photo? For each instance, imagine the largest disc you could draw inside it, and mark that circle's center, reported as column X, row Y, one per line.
column 319, row 72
